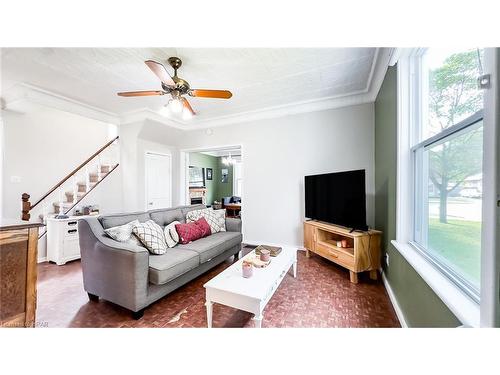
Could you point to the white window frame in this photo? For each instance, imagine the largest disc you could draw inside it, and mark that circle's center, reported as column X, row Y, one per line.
column 463, row 306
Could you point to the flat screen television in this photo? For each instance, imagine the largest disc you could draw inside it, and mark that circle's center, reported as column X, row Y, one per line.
column 337, row 198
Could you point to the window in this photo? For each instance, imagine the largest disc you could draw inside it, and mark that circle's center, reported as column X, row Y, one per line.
column 446, row 141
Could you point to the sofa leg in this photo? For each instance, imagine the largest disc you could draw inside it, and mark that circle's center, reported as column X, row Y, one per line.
column 236, row 256
column 138, row 314
column 93, row 297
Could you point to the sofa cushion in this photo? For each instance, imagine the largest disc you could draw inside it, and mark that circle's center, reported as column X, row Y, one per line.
column 110, row 221
column 166, row 267
column 166, row 216
column 211, row 246
column 152, row 237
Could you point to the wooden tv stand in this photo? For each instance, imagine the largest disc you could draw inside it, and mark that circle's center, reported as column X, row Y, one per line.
column 361, row 254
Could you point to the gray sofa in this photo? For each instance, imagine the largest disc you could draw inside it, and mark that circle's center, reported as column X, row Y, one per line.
column 129, row 276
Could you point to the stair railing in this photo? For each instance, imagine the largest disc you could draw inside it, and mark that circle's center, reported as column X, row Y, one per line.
column 27, row 206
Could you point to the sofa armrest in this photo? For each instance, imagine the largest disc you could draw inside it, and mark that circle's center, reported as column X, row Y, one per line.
column 112, row 270
column 233, row 224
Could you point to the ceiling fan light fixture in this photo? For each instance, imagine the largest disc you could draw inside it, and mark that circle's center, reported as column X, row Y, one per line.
column 165, row 110
column 175, row 106
column 186, row 114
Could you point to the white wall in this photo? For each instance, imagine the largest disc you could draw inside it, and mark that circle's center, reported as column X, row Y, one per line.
column 278, row 153
column 136, row 139
column 43, row 146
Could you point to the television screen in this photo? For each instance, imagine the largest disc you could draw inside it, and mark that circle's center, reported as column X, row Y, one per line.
column 337, row 198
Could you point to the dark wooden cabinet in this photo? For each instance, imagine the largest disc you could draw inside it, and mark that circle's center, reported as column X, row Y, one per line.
column 18, row 273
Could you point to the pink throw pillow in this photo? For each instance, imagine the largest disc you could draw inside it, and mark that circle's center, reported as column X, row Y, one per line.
column 192, row 231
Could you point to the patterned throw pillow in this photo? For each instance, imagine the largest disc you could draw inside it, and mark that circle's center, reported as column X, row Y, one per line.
column 171, row 235
column 192, row 231
column 215, row 218
column 123, row 233
column 151, row 235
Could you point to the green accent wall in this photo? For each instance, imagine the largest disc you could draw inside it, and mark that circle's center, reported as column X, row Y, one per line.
column 419, row 304
column 206, row 161
column 215, row 188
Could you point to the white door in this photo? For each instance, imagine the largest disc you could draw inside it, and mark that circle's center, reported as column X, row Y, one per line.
column 158, row 181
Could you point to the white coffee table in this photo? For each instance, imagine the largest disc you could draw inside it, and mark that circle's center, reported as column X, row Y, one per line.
column 230, row 288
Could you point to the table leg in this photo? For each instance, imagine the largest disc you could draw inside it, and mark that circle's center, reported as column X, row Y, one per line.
column 209, row 306
column 373, row 274
column 258, row 320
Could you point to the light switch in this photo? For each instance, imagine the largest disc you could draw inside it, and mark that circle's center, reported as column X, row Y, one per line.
column 15, row 179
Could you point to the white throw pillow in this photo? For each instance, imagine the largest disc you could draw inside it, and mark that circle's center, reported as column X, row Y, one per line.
column 123, row 233
column 171, row 235
column 151, row 235
column 216, row 219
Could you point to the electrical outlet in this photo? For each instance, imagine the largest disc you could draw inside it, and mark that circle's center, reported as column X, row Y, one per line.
column 387, row 259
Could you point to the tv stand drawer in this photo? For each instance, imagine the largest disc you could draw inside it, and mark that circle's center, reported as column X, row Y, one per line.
column 334, row 255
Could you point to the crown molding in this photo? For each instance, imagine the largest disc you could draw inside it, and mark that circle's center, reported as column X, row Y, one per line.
column 367, row 95
column 23, row 97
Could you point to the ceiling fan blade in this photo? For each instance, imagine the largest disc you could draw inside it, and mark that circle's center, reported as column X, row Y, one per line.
column 160, row 71
column 186, row 105
column 142, row 93
column 219, row 94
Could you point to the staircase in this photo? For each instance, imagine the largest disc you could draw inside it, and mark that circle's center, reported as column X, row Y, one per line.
column 74, row 187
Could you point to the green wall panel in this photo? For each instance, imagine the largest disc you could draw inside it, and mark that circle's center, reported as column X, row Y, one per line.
column 419, row 304
column 206, row 161
column 215, row 188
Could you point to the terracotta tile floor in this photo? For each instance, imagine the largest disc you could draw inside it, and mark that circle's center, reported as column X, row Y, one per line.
column 320, row 296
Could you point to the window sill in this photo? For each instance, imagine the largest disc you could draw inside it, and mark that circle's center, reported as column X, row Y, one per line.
column 460, row 304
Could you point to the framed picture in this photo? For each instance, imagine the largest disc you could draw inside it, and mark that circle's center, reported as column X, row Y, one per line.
column 209, row 173
column 224, row 175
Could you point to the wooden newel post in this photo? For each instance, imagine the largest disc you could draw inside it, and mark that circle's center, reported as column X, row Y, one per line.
column 26, row 207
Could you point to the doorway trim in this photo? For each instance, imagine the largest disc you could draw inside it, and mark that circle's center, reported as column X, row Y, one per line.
column 150, row 152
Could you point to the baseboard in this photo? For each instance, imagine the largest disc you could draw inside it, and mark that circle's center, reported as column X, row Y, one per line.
column 394, row 301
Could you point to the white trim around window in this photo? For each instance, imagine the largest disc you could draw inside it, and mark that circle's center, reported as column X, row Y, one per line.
column 455, row 298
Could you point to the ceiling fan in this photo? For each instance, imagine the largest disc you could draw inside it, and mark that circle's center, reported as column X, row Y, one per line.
column 177, row 88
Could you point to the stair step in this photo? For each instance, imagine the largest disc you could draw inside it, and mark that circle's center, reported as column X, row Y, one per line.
column 69, row 196
column 106, row 168
column 94, row 177
column 82, row 186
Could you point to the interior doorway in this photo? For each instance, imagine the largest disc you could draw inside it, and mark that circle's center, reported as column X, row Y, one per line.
column 158, row 180
column 214, row 177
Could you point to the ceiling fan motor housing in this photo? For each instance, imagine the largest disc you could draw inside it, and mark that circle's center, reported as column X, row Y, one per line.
column 181, row 85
